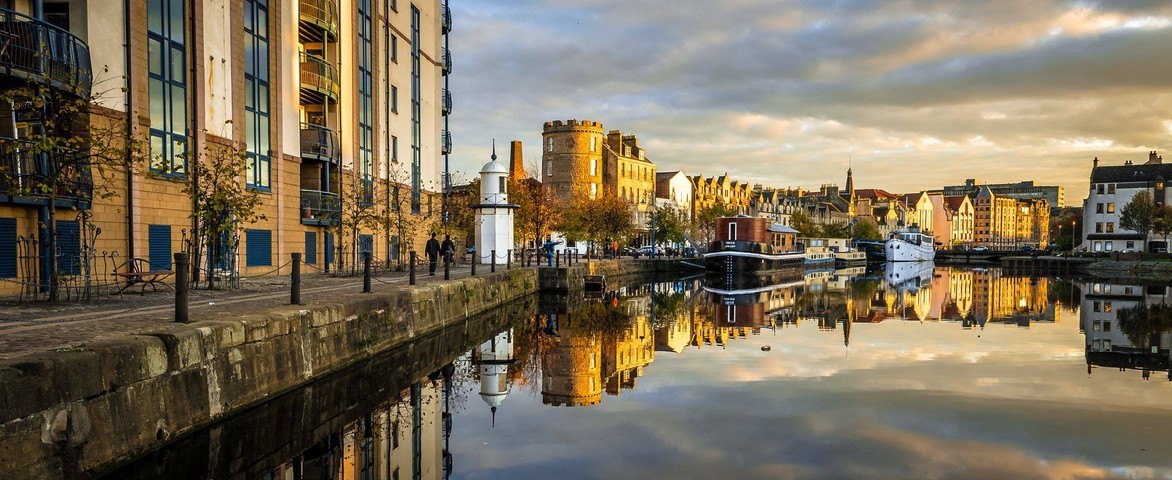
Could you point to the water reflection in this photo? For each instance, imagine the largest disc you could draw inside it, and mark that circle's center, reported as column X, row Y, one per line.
column 1127, row 326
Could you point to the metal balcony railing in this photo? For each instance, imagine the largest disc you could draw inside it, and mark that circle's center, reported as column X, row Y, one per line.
column 320, row 143
column 446, row 142
column 446, row 103
column 319, row 20
column 28, row 174
column 447, row 20
column 447, row 61
column 319, row 77
column 320, row 208
column 41, row 52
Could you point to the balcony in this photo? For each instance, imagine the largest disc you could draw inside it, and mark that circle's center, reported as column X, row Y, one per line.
column 319, row 81
column 320, row 144
column 446, row 142
column 446, row 102
column 319, row 21
column 447, row 61
column 447, row 20
column 40, row 52
column 28, row 177
column 320, row 208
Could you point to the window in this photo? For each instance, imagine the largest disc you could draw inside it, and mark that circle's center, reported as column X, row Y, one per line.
column 395, row 49
column 395, row 100
column 1106, row 308
column 394, row 149
column 1110, row 188
column 1098, row 208
column 1111, row 207
column 258, row 248
column 549, row 144
column 1108, row 246
column 1107, row 325
column 365, row 158
column 593, row 144
column 1110, row 227
column 1098, row 227
column 593, row 166
column 1130, row 244
column 1100, row 188
column 256, row 94
column 549, row 168
column 416, row 113
column 593, row 190
column 503, row 187
column 167, row 86
column 1096, row 307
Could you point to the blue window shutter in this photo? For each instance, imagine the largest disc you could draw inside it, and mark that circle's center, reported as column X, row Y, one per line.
column 310, row 247
column 159, row 246
column 329, row 247
column 365, row 243
column 260, row 248
column 68, row 247
column 7, row 248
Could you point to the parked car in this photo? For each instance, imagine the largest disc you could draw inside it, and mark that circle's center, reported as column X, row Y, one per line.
column 647, row 250
column 689, row 252
column 980, row 249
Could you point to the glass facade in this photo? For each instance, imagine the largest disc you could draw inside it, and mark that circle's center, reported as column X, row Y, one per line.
column 365, row 102
column 256, row 94
column 167, row 86
column 416, row 115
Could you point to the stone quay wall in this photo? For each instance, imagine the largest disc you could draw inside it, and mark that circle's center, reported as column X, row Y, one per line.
column 80, row 412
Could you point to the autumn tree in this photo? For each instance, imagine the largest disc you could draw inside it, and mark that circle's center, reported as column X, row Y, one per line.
column 1162, row 224
column 804, row 225
column 66, row 150
column 669, row 225
column 221, row 205
column 540, row 209
column 1139, row 215
column 605, row 218
column 865, row 230
column 401, row 222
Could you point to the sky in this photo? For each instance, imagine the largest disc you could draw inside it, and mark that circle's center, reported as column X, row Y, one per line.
column 913, row 94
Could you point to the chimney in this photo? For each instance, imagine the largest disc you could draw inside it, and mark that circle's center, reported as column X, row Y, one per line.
column 1096, row 164
column 1153, row 158
column 516, row 161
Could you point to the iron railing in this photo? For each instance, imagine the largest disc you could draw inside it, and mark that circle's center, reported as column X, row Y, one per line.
column 320, row 143
column 29, row 174
column 322, row 14
column 320, row 208
column 447, row 61
column 447, row 20
column 446, row 102
column 319, row 76
column 446, row 142
column 41, row 52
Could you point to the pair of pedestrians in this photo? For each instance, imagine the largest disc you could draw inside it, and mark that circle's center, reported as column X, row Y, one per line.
column 434, row 249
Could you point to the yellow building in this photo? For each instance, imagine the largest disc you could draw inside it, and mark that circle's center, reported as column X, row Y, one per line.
column 711, row 191
column 305, row 93
column 629, row 174
column 571, row 157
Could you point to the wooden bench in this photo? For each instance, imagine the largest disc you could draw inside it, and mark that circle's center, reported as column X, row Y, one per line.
column 138, row 270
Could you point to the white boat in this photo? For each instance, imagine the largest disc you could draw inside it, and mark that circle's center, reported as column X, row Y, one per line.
column 850, row 257
column 909, row 276
column 910, row 245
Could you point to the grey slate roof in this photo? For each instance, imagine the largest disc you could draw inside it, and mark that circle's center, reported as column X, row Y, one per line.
column 1131, row 173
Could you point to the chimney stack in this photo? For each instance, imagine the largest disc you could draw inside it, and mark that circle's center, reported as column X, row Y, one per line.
column 1153, row 158
column 516, row 162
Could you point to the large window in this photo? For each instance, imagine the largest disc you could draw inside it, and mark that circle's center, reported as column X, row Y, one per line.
column 416, row 113
column 167, row 86
column 365, row 102
column 256, row 94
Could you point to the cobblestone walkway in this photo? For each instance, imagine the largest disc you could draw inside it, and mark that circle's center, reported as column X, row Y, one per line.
column 31, row 327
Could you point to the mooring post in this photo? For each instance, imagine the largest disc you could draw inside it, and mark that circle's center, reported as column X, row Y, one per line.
column 509, row 260
column 557, row 259
column 365, row 272
column 493, row 268
column 447, row 267
column 295, row 280
column 475, row 260
column 181, row 287
column 411, row 270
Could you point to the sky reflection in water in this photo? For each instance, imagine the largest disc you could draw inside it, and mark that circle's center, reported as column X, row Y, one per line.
column 906, row 398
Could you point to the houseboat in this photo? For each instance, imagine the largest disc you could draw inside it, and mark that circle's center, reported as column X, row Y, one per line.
column 844, row 254
column 910, row 245
column 817, row 252
column 752, row 245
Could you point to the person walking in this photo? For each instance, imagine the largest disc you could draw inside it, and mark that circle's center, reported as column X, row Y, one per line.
column 448, row 249
column 432, row 250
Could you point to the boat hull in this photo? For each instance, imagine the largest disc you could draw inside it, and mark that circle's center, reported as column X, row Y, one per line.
column 897, row 250
column 737, row 257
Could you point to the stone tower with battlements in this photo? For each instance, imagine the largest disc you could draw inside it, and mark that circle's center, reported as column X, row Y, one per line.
column 571, row 158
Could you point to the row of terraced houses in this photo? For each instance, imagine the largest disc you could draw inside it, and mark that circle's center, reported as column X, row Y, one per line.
column 331, row 102
column 579, row 159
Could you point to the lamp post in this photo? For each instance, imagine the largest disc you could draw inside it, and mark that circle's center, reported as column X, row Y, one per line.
column 653, row 247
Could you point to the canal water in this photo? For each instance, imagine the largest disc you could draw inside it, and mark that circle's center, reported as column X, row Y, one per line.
column 912, row 371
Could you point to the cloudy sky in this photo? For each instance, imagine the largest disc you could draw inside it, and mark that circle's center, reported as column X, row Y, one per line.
column 917, row 93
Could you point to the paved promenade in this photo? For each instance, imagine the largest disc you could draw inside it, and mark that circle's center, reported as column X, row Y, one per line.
column 30, row 327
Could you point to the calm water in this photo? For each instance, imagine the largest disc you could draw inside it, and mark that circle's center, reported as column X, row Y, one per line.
column 909, row 373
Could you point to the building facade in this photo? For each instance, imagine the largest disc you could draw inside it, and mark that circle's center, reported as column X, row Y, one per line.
column 677, row 188
column 1112, row 188
column 195, row 82
column 571, row 156
column 1055, row 196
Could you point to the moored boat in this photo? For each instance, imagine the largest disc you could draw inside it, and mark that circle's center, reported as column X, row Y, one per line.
column 910, row 245
column 752, row 245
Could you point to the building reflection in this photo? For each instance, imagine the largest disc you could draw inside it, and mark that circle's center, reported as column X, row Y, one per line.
column 1127, row 326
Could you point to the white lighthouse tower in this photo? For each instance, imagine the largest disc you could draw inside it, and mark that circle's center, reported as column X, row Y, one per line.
column 494, row 357
column 494, row 213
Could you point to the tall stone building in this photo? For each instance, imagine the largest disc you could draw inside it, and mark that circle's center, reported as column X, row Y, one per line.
column 571, row 156
column 306, row 91
column 629, row 174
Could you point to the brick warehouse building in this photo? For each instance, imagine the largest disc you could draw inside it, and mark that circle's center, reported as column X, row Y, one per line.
column 308, row 90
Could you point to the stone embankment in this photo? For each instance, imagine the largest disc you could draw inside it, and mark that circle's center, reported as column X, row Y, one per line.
column 83, row 411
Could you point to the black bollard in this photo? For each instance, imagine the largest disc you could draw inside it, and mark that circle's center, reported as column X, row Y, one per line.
column 475, row 260
column 365, row 272
column 509, row 260
column 493, row 268
column 181, row 288
column 447, row 267
column 295, row 281
column 557, row 259
column 411, row 270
